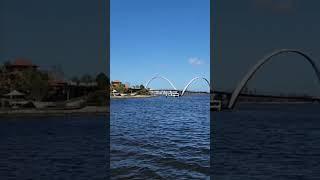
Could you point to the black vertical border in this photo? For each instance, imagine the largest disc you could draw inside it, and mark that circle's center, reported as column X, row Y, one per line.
column 107, row 49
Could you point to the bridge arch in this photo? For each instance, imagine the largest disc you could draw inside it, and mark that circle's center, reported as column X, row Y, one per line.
column 260, row 63
column 161, row 77
column 191, row 81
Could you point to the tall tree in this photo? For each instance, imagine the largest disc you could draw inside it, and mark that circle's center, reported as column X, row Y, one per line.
column 102, row 81
column 34, row 83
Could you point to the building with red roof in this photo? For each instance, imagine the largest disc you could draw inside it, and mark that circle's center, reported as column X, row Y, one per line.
column 20, row 64
column 116, row 83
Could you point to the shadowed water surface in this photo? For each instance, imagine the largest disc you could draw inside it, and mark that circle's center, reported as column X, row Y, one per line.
column 267, row 142
column 53, row 148
column 160, row 138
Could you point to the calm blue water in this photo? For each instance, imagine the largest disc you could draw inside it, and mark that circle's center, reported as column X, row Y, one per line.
column 160, row 138
column 53, row 148
column 267, row 142
column 166, row 138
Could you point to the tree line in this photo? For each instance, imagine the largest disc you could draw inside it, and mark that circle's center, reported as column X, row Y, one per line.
column 36, row 84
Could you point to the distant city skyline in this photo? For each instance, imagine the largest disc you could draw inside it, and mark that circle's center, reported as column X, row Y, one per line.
column 167, row 38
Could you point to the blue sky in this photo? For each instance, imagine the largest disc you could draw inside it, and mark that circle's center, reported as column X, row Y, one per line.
column 70, row 34
column 165, row 37
column 247, row 30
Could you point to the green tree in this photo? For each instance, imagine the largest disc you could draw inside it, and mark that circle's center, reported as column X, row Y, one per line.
column 39, row 86
column 102, row 81
column 143, row 92
column 34, row 83
column 121, row 88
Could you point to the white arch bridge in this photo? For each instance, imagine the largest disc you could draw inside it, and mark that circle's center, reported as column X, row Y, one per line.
column 174, row 88
column 261, row 63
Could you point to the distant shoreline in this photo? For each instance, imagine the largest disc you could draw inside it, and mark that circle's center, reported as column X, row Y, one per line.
column 96, row 110
column 132, row 97
column 293, row 102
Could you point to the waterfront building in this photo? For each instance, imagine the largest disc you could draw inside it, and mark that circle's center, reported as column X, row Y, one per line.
column 116, row 83
column 134, row 89
column 20, row 64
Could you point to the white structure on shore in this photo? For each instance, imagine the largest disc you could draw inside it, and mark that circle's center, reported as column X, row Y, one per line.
column 173, row 93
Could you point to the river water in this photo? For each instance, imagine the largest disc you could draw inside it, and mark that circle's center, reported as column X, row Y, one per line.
column 160, row 138
column 166, row 138
column 37, row 148
column 267, row 142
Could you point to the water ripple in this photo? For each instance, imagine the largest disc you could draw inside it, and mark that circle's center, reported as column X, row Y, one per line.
column 160, row 138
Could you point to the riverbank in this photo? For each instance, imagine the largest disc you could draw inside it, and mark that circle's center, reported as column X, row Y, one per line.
column 130, row 97
column 283, row 102
column 103, row 110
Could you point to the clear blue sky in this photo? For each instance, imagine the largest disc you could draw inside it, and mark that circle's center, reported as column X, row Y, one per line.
column 165, row 37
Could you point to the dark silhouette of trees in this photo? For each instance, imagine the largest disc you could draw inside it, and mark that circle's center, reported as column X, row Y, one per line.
column 34, row 83
column 102, row 81
column 87, row 78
